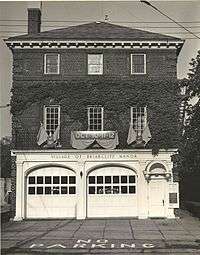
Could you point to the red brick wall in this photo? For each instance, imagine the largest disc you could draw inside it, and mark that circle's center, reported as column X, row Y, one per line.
column 28, row 64
column 28, row 68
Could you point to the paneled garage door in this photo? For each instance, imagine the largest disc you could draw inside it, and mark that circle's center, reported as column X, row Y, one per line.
column 51, row 193
column 111, row 192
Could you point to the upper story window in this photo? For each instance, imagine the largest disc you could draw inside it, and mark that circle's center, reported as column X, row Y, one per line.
column 95, row 118
column 52, row 63
column 95, row 64
column 51, row 118
column 139, row 119
column 138, row 63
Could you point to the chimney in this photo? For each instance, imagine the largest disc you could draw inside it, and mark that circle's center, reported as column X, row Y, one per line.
column 34, row 20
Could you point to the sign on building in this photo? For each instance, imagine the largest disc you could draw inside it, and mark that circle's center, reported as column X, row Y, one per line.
column 174, row 195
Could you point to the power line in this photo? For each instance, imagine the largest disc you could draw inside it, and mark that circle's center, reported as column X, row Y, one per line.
column 178, row 23
column 20, row 25
column 114, row 21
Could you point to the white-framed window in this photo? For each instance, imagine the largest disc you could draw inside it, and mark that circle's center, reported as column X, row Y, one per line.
column 139, row 118
column 51, row 185
column 95, row 118
column 117, row 184
column 51, row 118
column 52, row 63
column 138, row 63
column 95, row 64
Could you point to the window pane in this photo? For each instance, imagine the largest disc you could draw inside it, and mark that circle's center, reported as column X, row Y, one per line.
column 95, row 59
column 72, row 179
column 99, row 189
column 95, row 63
column 138, row 63
column 47, row 190
column 52, row 118
column 72, row 190
column 52, row 69
column 39, row 190
column 94, row 69
column 115, row 189
column 131, row 189
column 115, row 179
column 63, row 190
column 39, row 179
column 124, row 189
column 91, row 179
column 51, row 63
column 55, row 179
column 99, row 179
column 138, row 59
column 31, row 190
column 95, row 120
column 132, row 179
column 64, row 180
column 56, row 190
column 139, row 69
column 123, row 179
column 108, row 190
column 47, row 179
column 92, row 190
column 107, row 179
column 31, row 180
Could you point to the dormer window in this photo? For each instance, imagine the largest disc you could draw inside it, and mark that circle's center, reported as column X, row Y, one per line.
column 52, row 63
column 95, row 118
column 95, row 64
column 138, row 63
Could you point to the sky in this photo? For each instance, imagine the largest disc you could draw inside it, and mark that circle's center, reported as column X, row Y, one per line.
column 57, row 14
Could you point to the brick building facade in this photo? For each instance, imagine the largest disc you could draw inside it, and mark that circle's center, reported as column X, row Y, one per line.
column 107, row 96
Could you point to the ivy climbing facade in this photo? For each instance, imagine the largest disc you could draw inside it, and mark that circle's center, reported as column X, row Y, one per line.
column 95, row 121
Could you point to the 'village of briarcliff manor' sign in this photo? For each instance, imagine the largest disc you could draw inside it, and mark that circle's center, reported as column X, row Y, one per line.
column 100, row 135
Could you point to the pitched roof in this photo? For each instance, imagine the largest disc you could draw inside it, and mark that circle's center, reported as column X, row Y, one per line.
column 95, row 31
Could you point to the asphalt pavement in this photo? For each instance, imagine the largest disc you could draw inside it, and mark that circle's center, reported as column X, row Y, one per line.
column 102, row 236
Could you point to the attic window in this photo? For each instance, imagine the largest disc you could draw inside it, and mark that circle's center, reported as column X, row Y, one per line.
column 52, row 63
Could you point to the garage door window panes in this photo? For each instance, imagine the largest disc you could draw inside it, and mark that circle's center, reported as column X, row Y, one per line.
column 51, row 185
column 112, row 184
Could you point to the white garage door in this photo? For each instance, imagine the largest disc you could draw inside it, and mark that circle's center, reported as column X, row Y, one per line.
column 51, row 193
column 111, row 192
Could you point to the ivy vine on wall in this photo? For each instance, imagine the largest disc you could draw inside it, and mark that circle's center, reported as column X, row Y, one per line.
column 116, row 95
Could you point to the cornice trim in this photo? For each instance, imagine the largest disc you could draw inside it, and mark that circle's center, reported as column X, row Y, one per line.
column 79, row 44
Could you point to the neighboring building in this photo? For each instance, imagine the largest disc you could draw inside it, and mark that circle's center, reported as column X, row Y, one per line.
column 5, row 171
column 104, row 99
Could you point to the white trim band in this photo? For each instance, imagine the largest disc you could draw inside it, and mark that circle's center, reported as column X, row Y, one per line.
column 94, row 44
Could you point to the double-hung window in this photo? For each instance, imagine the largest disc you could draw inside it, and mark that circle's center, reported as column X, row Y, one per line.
column 139, row 119
column 138, row 63
column 52, row 63
column 95, row 64
column 95, row 118
column 51, row 118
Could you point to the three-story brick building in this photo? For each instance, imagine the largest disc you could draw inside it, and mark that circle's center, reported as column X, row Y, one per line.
column 95, row 121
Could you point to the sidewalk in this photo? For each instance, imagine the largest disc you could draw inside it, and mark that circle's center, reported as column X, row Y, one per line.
column 103, row 236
